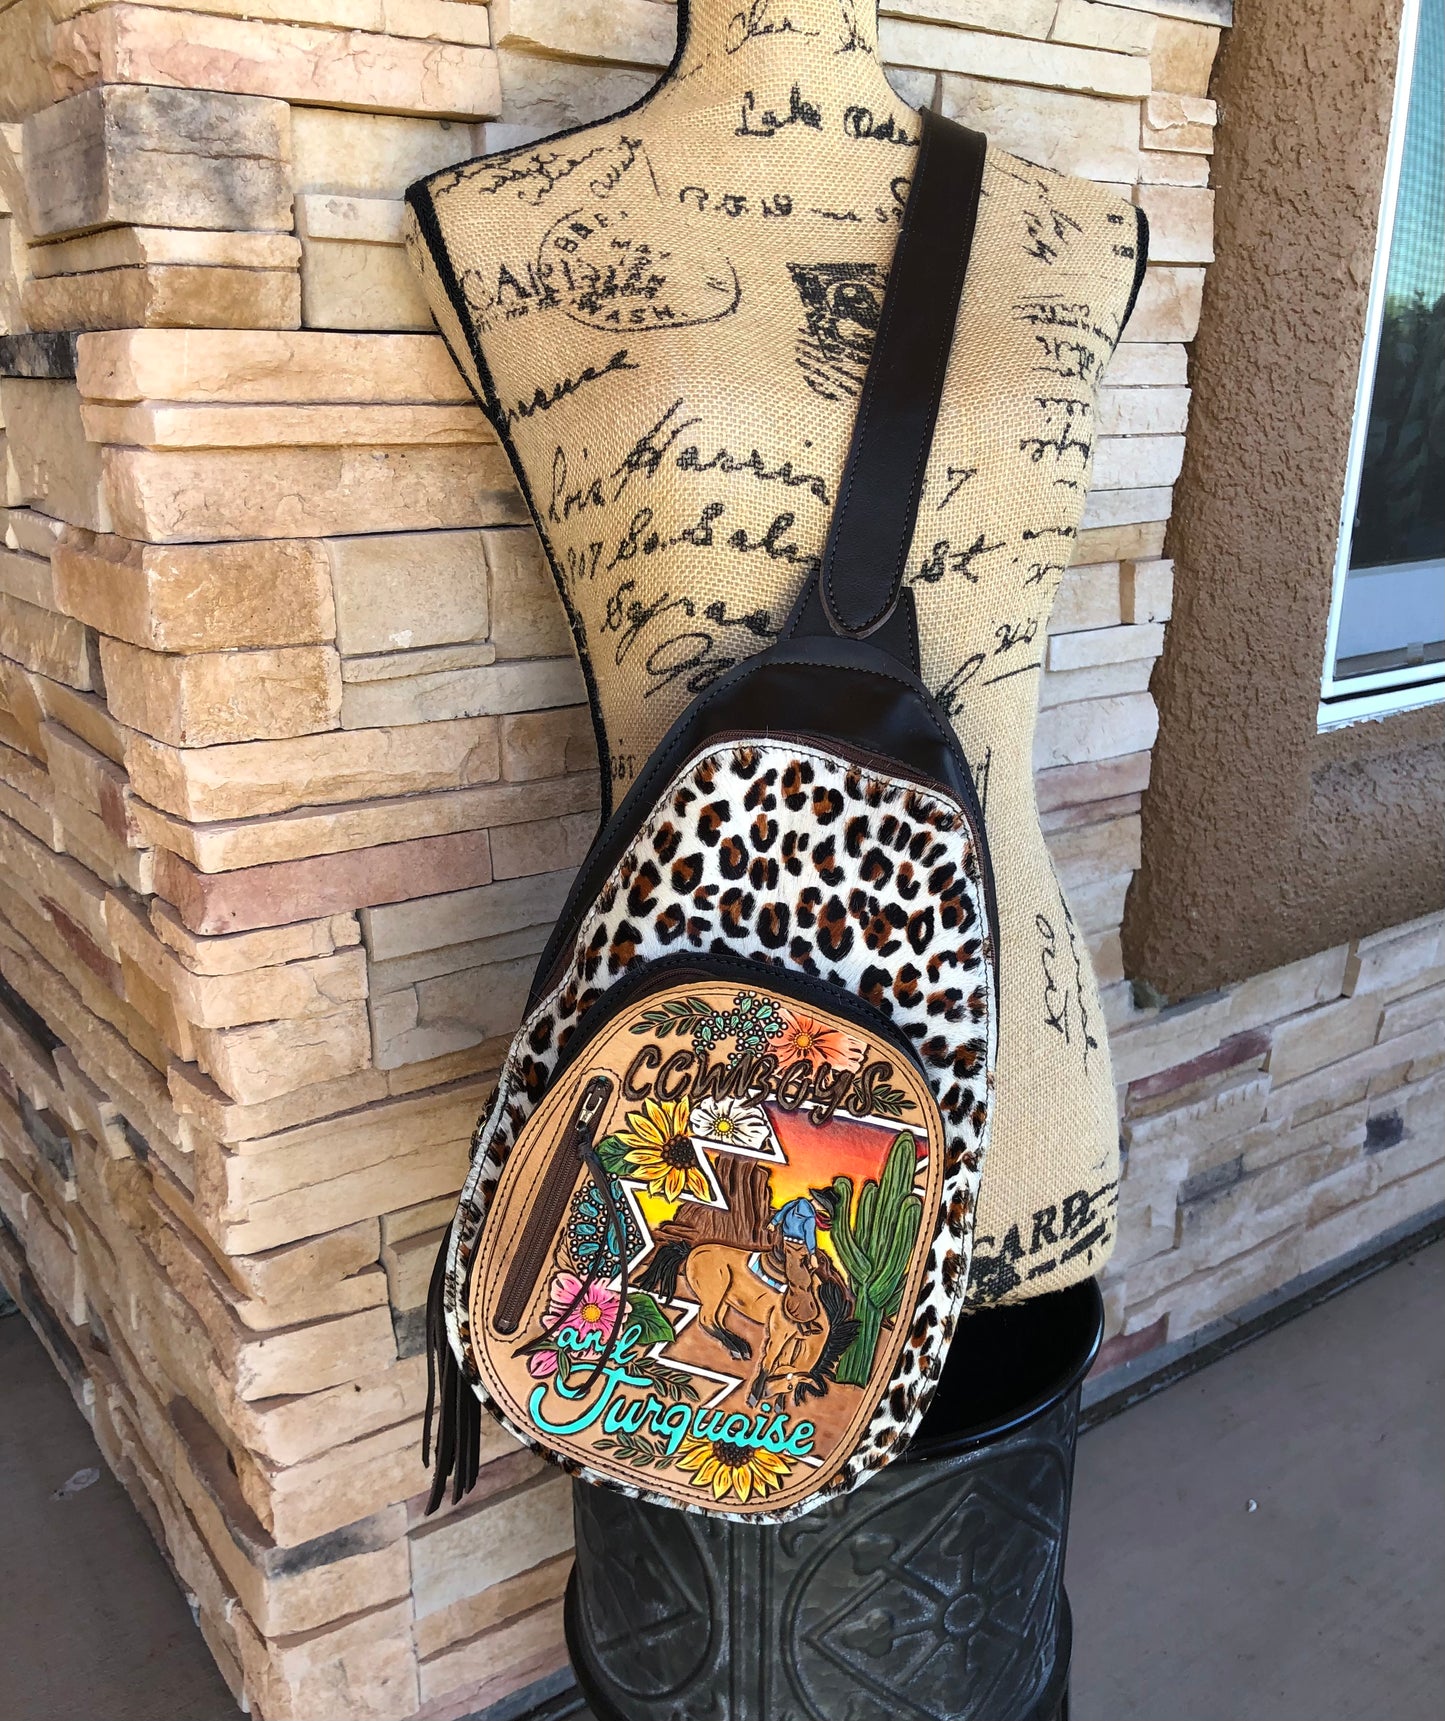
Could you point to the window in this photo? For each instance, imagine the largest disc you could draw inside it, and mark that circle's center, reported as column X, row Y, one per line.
column 1386, row 645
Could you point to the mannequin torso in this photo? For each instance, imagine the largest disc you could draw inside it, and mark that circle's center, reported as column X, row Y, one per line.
column 668, row 316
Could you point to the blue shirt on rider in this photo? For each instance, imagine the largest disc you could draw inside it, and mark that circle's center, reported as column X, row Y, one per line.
column 799, row 1221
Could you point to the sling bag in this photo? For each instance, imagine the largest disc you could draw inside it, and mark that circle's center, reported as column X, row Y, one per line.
column 716, row 1233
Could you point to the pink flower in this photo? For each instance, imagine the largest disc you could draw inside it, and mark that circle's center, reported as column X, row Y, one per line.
column 805, row 1039
column 596, row 1312
column 542, row 1365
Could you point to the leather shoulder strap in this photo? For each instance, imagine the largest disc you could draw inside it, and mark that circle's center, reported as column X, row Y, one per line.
column 867, row 549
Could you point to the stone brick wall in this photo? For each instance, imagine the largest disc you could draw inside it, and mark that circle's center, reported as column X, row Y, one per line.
column 293, row 771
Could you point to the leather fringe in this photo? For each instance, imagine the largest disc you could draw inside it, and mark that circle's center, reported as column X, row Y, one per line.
column 450, row 1402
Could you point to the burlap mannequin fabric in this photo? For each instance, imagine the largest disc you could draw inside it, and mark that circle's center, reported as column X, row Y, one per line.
column 668, row 316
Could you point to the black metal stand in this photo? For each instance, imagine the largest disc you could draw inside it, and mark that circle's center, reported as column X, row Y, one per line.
column 933, row 1593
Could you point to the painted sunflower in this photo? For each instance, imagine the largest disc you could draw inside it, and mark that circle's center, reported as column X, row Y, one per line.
column 660, row 1151
column 725, row 1468
column 804, row 1039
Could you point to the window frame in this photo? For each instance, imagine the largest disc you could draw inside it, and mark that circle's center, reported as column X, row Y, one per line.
column 1406, row 689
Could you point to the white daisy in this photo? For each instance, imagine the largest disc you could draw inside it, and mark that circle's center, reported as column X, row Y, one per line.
column 731, row 1122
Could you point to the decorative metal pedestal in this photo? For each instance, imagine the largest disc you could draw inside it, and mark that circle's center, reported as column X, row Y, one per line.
column 932, row 1593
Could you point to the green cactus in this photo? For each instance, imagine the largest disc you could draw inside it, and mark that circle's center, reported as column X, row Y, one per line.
column 874, row 1245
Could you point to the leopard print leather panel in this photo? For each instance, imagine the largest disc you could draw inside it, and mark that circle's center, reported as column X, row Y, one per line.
column 791, row 857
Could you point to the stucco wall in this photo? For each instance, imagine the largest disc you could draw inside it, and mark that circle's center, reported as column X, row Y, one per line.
column 1264, row 841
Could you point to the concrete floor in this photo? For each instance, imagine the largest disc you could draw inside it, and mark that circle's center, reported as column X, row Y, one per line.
column 1322, row 1604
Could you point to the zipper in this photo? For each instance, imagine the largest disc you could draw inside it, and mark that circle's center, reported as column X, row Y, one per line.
column 552, row 1198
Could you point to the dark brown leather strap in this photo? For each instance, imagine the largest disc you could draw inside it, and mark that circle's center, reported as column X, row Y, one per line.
column 867, row 549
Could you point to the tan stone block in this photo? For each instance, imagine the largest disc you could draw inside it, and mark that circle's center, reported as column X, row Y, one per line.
column 114, row 857
column 1395, row 957
column 301, row 889
column 1085, row 853
column 1148, row 364
column 210, row 494
column 1416, row 1010
column 1344, row 1080
column 268, row 1059
column 283, row 1593
column 157, row 157
column 57, row 882
column 1168, row 305
column 249, row 778
column 1121, row 29
column 1094, row 729
column 541, row 845
column 1323, row 1036
column 1090, row 647
column 226, row 845
column 489, row 1543
column 284, row 991
column 1179, row 123
column 194, row 597
column 26, row 577
column 1148, row 591
column 137, row 247
column 206, row 698
column 1181, row 222
column 399, row 592
column 399, row 972
column 52, row 1259
column 430, row 660
column 498, row 1662
column 30, row 805
column 230, row 1180
column 84, row 714
column 469, row 1616
column 1056, row 128
column 21, row 714
column 1102, row 780
column 165, row 296
column 351, row 68
column 1161, row 167
column 336, row 1488
column 528, row 618
column 311, row 425
column 286, row 1431
column 1087, row 598
column 91, row 780
column 435, row 1168
column 50, row 644
column 460, row 916
column 542, row 94
column 102, row 1053
column 533, row 685
column 547, row 744
column 1137, row 411
column 1115, row 506
column 354, row 271
column 241, row 952
column 259, row 366
column 202, row 1106
column 1051, row 65
column 49, row 462
column 1119, row 543
column 364, row 1668
column 1182, row 55
column 408, row 1262
column 452, row 1011
column 1133, row 463
column 1101, row 681
column 371, row 155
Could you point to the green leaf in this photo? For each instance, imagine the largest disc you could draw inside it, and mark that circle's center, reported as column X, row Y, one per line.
column 643, row 1312
column 891, row 1102
column 613, row 1153
column 677, row 1016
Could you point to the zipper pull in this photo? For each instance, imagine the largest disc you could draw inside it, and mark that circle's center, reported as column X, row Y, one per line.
column 589, row 1109
column 554, row 1190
